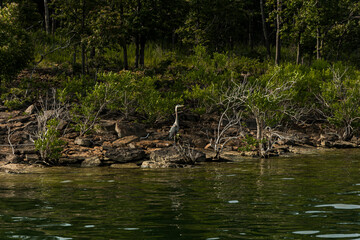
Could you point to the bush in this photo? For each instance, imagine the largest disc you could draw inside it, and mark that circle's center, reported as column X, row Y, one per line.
column 49, row 144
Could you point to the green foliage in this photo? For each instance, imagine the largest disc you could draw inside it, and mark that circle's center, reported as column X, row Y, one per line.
column 14, row 98
column 16, row 50
column 249, row 143
column 49, row 143
column 340, row 97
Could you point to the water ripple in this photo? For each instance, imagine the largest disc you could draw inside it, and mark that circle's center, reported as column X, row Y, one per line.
column 340, row 206
column 350, row 235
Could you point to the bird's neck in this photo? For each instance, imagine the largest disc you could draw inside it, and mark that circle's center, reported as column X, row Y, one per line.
column 176, row 117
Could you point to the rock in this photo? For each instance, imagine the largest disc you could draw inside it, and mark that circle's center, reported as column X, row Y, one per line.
column 71, row 135
column 122, row 142
column 68, row 160
column 152, row 164
column 325, row 143
column 83, row 142
column 127, row 129
column 125, row 155
column 30, row 109
column 124, row 166
column 107, row 145
column 27, row 150
column 344, row 144
column 91, row 162
column 173, row 157
column 31, row 158
column 107, row 125
column 200, row 142
column 12, row 158
column 21, row 119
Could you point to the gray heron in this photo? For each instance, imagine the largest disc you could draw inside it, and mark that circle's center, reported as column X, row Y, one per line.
column 175, row 127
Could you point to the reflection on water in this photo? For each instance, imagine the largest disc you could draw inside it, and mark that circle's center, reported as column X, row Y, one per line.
column 285, row 198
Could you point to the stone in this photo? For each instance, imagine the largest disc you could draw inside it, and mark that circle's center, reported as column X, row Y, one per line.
column 122, row 142
column 124, row 166
column 344, row 144
column 68, row 161
column 200, row 142
column 107, row 145
column 31, row 158
column 12, row 158
column 91, row 162
column 27, row 150
column 127, row 129
column 125, row 155
column 107, row 125
column 71, row 135
column 30, row 109
column 21, row 119
column 83, row 142
column 173, row 157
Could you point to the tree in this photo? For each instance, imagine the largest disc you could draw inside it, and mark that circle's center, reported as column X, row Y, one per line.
column 75, row 18
column 16, row 49
column 47, row 17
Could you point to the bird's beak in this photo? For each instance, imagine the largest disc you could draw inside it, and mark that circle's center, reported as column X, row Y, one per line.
column 181, row 105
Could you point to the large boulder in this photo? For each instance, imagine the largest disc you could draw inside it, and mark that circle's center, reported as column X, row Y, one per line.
column 125, row 155
column 127, row 129
column 91, row 162
column 173, row 157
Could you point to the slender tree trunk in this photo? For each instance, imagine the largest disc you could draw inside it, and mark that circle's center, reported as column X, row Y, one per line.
column 52, row 26
column 250, row 32
column 278, row 40
column 259, row 135
column 83, row 49
column 298, row 52
column 83, row 58
column 266, row 37
column 142, row 51
column 318, row 53
column 74, row 56
column 1, row 3
column 137, row 51
column 126, row 64
column 47, row 17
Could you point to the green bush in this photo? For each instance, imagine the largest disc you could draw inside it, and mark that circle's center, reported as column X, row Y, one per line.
column 49, row 143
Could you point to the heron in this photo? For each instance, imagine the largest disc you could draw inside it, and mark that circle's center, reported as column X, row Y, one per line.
column 175, row 127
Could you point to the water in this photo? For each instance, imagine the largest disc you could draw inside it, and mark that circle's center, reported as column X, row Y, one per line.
column 308, row 197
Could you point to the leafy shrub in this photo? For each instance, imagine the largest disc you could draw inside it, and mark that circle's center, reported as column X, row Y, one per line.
column 49, row 143
column 14, row 98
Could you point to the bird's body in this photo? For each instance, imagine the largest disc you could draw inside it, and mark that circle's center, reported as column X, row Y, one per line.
column 175, row 127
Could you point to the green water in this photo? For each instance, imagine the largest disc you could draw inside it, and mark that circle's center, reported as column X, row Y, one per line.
column 308, row 197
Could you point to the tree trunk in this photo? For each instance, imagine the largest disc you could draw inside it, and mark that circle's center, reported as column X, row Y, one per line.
column 278, row 40
column 137, row 51
column 74, row 56
column 263, row 19
column 126, row 64
column 83, row 58
column 47, row 17
column 52, row 26
column 298, row 52
column 142, row 51
column 250, row 32
column 83, row 49
column 318, row 53
column 259, row 136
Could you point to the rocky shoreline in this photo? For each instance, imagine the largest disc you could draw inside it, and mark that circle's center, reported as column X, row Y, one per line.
column 121, row 144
